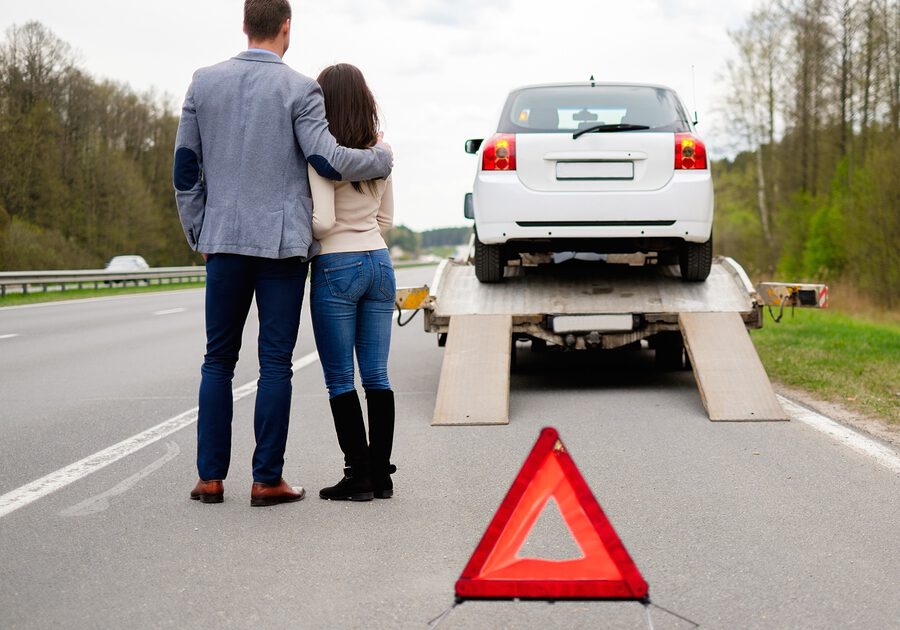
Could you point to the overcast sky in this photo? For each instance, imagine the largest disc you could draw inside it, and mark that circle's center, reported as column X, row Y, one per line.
column 440, row 69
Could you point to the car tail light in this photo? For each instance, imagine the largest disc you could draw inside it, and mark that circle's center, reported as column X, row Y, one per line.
column 690, row 153
column 499, row 153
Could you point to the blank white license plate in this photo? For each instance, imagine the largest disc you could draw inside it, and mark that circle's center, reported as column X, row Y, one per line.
column 586, row 323
column 595, row 170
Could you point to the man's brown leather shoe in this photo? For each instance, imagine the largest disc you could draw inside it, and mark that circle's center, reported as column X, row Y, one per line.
column 263, row 494
column 211, row 491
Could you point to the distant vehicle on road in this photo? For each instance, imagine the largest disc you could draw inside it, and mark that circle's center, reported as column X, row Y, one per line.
column 127, row 263
column 592, row 167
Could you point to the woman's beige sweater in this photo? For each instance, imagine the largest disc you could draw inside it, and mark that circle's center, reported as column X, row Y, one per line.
column 347, row 221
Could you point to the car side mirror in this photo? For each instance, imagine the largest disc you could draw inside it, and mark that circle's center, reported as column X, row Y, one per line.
column 472, row 146
column 469, row 207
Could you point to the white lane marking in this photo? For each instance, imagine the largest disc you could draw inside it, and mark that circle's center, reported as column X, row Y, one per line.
column 8, row 336
column 95, row 300
column 100, row 502
column 171, row 311
column 29, row 493
column 882, row 454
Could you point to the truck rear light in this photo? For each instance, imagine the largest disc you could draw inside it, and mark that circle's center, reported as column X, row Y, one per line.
column 499, row 153
column 690, row 153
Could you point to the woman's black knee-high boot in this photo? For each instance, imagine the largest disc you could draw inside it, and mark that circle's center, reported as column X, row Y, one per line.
column 351, row 433
column 380, row 403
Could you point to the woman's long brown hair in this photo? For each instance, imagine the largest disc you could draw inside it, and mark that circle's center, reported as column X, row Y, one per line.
column 351, row 110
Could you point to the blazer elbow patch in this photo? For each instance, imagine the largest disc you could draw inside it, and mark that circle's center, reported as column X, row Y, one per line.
column 324, row 168
column 187, row 169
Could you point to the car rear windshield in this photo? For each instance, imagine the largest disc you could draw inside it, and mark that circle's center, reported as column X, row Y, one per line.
column 568, row 109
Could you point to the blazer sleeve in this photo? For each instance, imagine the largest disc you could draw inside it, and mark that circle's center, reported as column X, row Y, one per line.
column 385, row 216
column 187, row 176
column 322, row 151
column 323, row 203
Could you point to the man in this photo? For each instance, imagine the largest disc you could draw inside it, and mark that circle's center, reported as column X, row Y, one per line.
column 248, row 128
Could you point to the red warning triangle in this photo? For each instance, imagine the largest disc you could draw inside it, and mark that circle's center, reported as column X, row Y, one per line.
column 604, row 570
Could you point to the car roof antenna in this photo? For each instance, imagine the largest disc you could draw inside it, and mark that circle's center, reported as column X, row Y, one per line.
column 694, row 81
column 593, row 84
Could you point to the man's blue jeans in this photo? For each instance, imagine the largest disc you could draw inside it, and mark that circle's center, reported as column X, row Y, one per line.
column 352, row 300
column 231, row 282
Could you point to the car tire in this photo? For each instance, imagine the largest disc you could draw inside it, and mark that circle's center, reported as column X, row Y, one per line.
column 695, row 261
column 489, row 262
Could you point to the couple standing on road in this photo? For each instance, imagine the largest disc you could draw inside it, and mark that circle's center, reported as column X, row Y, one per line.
column 274, row 172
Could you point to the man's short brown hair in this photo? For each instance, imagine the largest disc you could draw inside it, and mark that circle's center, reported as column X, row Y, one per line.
column 264, row 18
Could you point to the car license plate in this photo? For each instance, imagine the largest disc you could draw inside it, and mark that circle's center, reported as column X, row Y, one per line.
column 601, row 323
column 594, row 170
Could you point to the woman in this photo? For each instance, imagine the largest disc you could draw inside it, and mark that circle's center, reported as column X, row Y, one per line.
column 352, row 294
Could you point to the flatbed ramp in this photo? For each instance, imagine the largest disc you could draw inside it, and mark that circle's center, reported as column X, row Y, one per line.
column 732, row 381
column 474, row 386
column 616, row 305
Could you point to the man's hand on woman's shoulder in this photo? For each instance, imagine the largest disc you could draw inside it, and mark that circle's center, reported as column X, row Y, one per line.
column 385, row 145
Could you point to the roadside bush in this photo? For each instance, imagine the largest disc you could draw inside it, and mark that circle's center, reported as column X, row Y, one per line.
column 25, row 247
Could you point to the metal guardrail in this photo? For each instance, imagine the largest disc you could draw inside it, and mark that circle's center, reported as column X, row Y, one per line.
column 61, row 280
column 27, row 281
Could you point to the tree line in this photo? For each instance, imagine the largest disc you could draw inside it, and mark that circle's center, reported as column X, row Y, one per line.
column 85, row 172
column 813, row 99
column 413, row 242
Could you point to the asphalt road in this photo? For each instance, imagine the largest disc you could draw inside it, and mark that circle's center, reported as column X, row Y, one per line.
column 732, row 525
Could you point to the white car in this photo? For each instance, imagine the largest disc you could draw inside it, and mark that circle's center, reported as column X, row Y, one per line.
column 127, row 263
column 592, row 167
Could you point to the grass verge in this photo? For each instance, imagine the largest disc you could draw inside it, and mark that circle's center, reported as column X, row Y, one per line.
column 841, row 358
column 17, row 299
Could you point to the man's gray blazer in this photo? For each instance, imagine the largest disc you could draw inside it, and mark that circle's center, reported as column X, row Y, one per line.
column 248, row 128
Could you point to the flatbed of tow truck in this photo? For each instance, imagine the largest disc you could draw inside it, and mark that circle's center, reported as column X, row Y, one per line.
column 582, row 305
column 562, row 304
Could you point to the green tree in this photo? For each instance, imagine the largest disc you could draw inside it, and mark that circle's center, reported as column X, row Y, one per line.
column 404, row 238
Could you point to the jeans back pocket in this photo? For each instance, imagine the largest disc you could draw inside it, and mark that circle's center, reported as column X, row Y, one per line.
column 387, row 284
column 345, row 281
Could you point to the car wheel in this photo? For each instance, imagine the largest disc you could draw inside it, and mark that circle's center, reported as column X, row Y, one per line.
column 489, row 262
column 695, row 261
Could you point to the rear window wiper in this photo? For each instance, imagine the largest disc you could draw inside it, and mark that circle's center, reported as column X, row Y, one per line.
column 608, row 129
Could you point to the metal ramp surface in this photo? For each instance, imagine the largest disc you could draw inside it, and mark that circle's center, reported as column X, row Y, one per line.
column 474, row 385
column 590, row 289
column 731, row 378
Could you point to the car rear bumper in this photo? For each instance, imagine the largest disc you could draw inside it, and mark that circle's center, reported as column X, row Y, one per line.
column 506, row 210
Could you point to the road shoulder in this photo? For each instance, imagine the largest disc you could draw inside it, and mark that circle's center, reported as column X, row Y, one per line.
column 868, row 424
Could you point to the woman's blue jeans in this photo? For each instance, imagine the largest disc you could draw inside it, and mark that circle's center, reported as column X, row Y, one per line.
column 352, row 302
